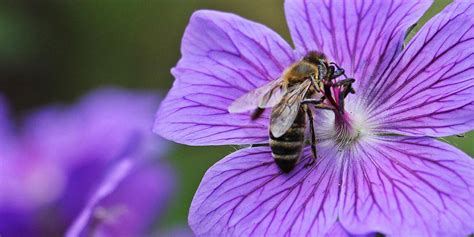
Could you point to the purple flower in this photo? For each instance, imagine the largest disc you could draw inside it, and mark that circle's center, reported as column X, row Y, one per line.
column 379, row 167
column 62, row 157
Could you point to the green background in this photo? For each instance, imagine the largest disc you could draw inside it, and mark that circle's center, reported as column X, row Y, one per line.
column 55, row 51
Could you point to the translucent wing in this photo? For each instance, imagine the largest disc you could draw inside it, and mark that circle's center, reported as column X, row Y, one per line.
column 285, row 112
column 263, row 97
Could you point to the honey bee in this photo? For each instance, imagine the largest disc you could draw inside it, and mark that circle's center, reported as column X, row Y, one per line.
column 301, row 84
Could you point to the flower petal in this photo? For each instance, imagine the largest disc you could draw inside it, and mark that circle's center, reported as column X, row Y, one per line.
column 337, row 230
column 97, row 128
column 429, row 89
column 408, row 187
column 132, row 214
column 245, row 194
column 223, row 57
column 116, row 210
column 361, row 36
column 113, row 179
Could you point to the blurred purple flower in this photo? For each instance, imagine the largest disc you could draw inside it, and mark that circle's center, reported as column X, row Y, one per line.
column 389, row 175
column 61, row 157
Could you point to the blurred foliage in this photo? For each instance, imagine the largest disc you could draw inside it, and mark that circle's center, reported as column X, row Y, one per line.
column 54, row 50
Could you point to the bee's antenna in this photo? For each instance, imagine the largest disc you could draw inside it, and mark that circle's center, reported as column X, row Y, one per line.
column 260, row 145
column 340, row 70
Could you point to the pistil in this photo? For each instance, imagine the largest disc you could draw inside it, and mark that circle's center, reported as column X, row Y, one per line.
column 334, row 93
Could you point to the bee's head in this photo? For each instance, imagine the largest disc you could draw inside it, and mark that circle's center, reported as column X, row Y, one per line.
column 316, row 58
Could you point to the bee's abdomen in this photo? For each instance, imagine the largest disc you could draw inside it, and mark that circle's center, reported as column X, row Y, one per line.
column 286, row 149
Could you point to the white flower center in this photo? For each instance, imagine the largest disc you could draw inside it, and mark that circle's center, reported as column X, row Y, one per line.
column 344, row 128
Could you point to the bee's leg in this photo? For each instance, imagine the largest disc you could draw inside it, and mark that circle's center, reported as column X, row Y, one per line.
column 337, row 71
column 348, row 90
column 313, row 101
column 314, row 83
column 313, row 137
column 345, row 82
column 348, row 86
column 260, row 145
column 320, row 106
column 316, row 103
column 257, row 113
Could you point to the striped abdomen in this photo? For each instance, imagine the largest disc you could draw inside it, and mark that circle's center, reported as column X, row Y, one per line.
column 286, row 150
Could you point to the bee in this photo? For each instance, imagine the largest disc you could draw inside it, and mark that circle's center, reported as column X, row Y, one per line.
column 301, row 84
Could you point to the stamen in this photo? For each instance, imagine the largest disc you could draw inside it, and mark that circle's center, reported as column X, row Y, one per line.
column 334, row 92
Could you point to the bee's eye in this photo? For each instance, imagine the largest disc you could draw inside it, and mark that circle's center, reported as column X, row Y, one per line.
column 322, row 62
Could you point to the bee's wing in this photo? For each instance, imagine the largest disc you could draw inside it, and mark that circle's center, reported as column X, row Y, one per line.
column 284, row 114
column 263, row 97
